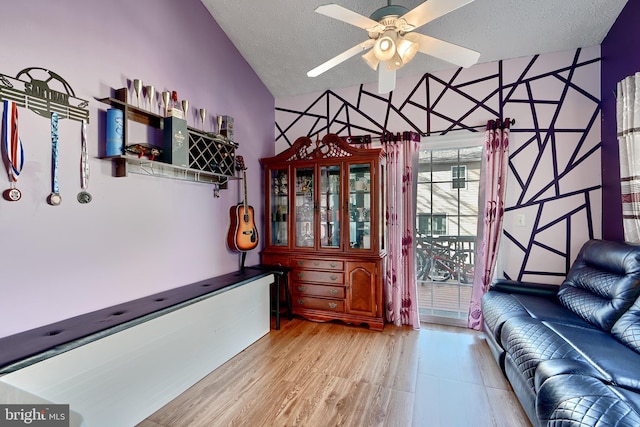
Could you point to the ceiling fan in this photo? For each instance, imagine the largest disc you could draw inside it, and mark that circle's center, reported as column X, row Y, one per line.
column 393, row 42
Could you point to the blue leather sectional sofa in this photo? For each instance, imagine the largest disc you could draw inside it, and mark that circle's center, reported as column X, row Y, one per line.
column 572, row 353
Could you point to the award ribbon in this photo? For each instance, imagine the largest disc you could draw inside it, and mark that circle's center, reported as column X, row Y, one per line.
column 54, row 197
column 13, row 149
column 84, row 196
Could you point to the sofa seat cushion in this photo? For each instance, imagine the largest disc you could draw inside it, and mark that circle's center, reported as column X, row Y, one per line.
column 603, row 282
column 529, row 341
column 549, row 310
column 578, row 400
column 617, row 363
column 498, row 307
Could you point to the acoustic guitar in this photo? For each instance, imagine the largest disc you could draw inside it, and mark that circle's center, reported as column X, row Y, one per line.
column 243, row 234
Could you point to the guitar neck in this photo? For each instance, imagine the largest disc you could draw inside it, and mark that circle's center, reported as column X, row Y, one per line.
column 244, row 185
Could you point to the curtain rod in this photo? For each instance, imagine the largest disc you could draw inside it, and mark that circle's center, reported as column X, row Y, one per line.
column 367, row 139
column 511, row 122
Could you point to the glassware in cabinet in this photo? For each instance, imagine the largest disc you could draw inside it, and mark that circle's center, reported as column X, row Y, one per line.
column 330, row 179
column 360, row 206
column 279, row 206
column 304, row 207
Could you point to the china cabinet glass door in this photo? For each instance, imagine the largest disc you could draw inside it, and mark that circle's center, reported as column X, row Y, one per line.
column 304, row 207
column 360, row 206
column 330, row 206
column 279, row 207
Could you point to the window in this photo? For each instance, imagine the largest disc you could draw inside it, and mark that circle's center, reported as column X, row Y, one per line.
column 459, row 176
column 432, row 224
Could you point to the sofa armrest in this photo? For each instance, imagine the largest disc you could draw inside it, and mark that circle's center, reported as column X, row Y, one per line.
column 552, row 367
column 527, row 288
column 578, row 400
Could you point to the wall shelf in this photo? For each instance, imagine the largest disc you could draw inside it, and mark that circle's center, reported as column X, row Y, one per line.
column 211, row 157
column 142, row 166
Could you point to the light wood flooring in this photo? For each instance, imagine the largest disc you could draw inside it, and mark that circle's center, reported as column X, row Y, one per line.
column 331, row 374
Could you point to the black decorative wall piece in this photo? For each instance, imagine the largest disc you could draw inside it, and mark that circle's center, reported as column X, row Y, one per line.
column 554, row 156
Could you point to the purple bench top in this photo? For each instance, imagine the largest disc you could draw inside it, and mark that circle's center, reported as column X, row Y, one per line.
column 25, row 348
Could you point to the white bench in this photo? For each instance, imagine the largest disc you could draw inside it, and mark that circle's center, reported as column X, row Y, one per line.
column 119, row 376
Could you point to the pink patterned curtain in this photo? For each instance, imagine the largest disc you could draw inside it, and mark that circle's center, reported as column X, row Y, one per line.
column 494, row 177
column 400, row 284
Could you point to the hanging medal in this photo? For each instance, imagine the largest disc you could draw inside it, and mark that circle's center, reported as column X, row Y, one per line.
column 13, row 149
column 54, row 198
column 84, row 196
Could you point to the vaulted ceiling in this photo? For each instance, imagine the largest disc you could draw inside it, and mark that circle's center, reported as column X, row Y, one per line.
column 283, row 39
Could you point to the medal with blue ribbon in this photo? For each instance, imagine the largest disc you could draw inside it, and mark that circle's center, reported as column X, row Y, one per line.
column 54, row 198
column 12, row 148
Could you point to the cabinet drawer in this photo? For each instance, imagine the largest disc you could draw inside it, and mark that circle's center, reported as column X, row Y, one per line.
column 319, row 264
column 329, row 277
column 319, row 290
column 319, row 304
column 268, row 259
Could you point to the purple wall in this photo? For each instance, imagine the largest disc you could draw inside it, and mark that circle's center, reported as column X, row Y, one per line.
column 140, row 234
column 620, row 58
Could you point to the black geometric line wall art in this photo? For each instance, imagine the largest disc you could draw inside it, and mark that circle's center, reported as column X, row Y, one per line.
column 554, row 166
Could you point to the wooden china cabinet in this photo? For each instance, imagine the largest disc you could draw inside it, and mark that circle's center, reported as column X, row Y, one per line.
column 324, row 209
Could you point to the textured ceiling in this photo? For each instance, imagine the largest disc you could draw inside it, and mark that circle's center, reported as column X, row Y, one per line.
column 283, row 39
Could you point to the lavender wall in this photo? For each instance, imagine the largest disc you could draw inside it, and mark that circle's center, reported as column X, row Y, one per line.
column 140, row 234
column 554, row 144
column 620, row 58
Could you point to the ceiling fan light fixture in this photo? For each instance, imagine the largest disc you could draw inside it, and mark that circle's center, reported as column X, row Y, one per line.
column 371, row 59
column 407, row 49
column 394, row 63
column 385, row 47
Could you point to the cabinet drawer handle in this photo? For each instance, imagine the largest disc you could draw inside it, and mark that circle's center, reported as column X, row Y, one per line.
column 333, row 277
column 316, row 263
column 301, row 301
column 300, row 275
column 301, row 288
column 333, row 265
column 300, row 263
column 333, row 305
column 333, row 292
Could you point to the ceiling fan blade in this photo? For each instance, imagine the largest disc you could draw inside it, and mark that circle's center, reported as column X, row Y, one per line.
column 458, row 55
column 341, row 58
column 430, row 10
column 350, row 17
column 386, row 79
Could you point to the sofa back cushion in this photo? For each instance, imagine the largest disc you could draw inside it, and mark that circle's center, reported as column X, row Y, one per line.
column 603, row 282
column 627, row 328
